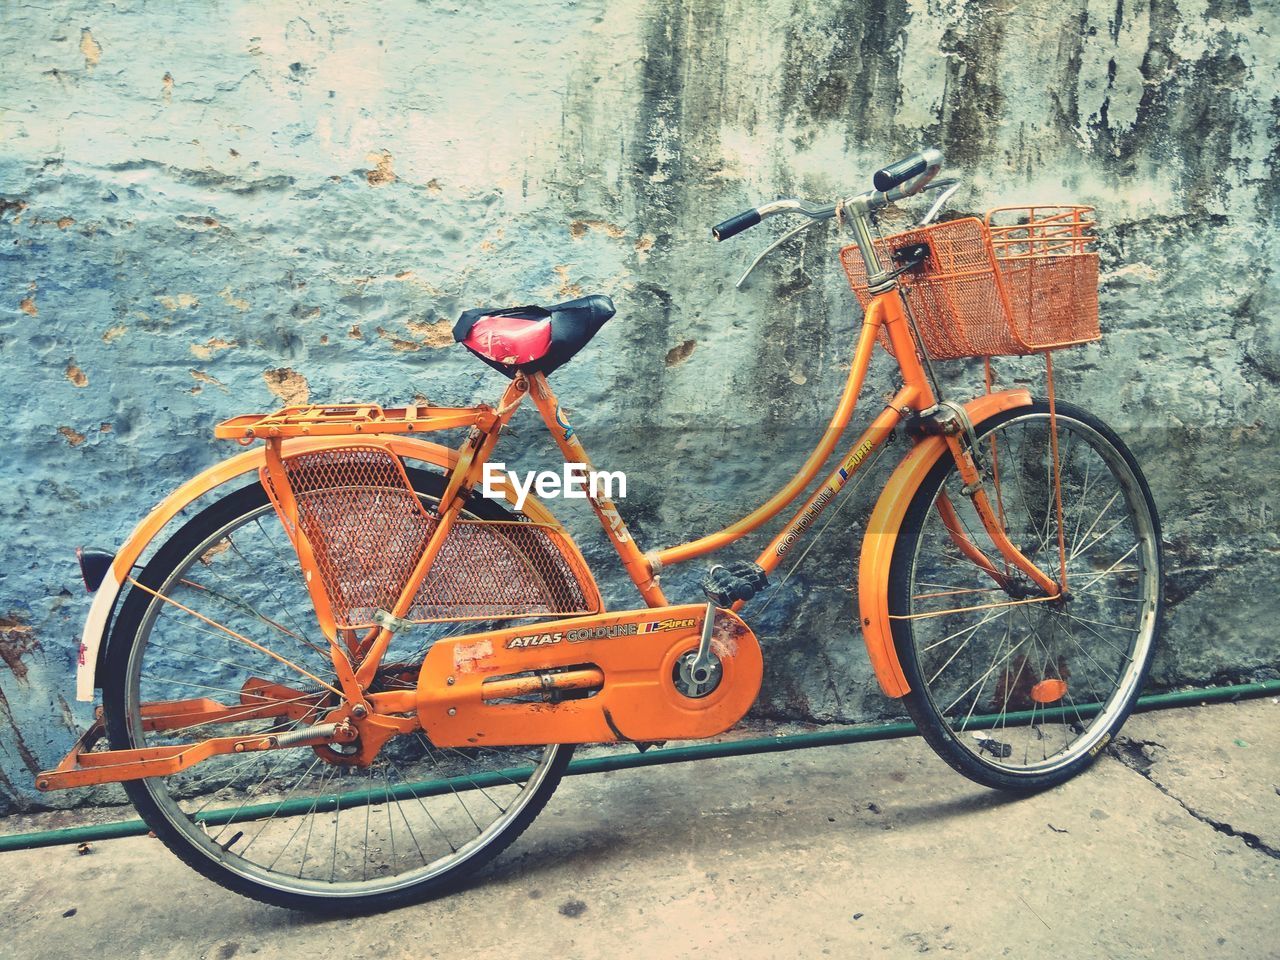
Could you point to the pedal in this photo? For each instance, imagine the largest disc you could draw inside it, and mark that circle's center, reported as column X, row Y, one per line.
column 727, row 583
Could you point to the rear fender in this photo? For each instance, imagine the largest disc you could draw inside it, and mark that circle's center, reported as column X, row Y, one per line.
column 882, row 535
column 237, row 467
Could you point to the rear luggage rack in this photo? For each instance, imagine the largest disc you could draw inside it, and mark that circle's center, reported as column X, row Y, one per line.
column 344, row 420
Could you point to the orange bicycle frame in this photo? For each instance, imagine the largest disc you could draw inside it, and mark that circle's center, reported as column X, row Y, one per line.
column 885, row 311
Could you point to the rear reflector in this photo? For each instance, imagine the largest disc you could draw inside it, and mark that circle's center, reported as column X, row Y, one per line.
column 94, row 565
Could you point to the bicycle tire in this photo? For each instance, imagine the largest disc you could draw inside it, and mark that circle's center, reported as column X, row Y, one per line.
column 977, row 731
column 157, row 804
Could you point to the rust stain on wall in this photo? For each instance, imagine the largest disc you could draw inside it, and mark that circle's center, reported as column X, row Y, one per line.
column 237, row 302
column 398, row 343
column 28, row 758
column 567, row 287
column 74, row 437
column 289, row 385
column 436, row 335
column 578, row 228
column 199, row 376
column 90, row 48
column 211, row 346
column 180, row 301
column 16, row 639
column 680, row 353
column 381, row 174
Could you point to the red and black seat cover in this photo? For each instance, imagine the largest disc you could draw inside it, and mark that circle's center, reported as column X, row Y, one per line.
column 532, row 339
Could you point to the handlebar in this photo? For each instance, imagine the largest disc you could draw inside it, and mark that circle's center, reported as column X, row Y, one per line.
column 896, row 174
column 736, row 224
column 894, row 182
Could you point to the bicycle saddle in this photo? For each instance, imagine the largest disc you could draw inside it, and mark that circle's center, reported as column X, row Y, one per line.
column 532, row 339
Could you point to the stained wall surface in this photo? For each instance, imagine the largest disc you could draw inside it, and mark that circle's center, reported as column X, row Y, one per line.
column 210, row 209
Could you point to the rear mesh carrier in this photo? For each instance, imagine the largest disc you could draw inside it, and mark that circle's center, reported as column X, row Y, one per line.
column 367, row 530
column 991, row 288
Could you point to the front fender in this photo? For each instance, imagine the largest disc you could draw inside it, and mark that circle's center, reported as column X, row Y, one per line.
column 249, row 462
column 882, row 535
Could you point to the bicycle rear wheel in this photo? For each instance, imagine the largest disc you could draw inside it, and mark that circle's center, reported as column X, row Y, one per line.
column 1014, row 693
column 298, row 827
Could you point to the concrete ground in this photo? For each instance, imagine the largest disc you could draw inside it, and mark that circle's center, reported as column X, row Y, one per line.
column 1168, row 847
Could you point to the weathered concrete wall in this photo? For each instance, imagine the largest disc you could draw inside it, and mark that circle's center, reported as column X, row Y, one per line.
column 210, row 208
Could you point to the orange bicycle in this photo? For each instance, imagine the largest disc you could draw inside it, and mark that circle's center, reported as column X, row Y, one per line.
column 352, row 680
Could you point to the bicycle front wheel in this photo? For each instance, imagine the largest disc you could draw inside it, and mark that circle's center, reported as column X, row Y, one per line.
column 1015, row 692
column 300, row 827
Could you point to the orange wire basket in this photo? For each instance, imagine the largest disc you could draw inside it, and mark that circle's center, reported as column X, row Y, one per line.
column 1021, row 280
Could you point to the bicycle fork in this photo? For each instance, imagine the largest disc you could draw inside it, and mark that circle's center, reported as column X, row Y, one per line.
column 972, row 475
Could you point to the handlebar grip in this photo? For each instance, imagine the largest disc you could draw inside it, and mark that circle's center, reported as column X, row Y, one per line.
column 899, row 173
column 735, row 225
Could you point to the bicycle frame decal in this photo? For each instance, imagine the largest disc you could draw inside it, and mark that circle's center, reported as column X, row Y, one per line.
column 564, row 424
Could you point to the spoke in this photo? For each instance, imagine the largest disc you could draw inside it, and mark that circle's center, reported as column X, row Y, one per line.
column 1103, row 623
column 337, row 813
column 1083, row 550
column 302, row 821
column 981, row 606
column 514, row 783
column 952, row 587
column 249, row 793
column 990, row 671
column 1004, row 706
column 189, row 683
column 209, row 774
column 952, row 636
column 243, row 713
column 368, row 814
column 247, row 608
column 280, row 806
column 1098, row 519
column 982, row 680
column 972, row 632
column 274, row 592
column 1123, row 654
column 414, row 794
column 310, row 818
column 1109, row 596
column 391, row 829
column 1084, row 496
column 285, row 681
column 953, row 593
column 256, row 646
column 449, row 780
column 1111, row 569
column 287, row 563
column 1111, row 677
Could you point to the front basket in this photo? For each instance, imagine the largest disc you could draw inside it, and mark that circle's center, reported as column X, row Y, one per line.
column 1020, row 281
